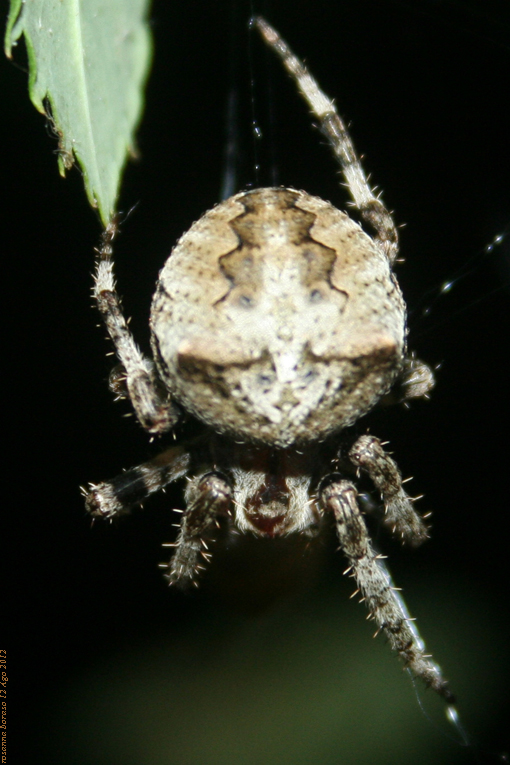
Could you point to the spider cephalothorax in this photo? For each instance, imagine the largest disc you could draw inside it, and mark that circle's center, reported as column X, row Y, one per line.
column 277, row 323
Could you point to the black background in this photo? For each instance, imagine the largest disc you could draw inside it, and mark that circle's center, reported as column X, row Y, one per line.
column 269, row 661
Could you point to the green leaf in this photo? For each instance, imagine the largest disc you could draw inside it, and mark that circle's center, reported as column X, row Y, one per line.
column 88, row 63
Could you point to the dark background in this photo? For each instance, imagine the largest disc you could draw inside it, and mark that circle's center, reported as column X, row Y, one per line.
column 269, row 661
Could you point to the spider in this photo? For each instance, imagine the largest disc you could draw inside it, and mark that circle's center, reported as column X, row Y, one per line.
column 277, row 323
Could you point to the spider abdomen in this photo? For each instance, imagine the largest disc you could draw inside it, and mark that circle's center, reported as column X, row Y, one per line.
column 277, row 318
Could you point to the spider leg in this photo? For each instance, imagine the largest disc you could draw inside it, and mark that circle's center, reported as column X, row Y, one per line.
column 385, row 605
column 118, row 496
column 416, row 380
column 148, row 395
column 207, row 497
column 400, row 515
column 371, row 208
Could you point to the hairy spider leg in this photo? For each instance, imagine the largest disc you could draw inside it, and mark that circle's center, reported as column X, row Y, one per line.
column 116, row 497
column 399, row 514
column 207, row 497
column 371, row 209
column 150, row 399
column 384, row 603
